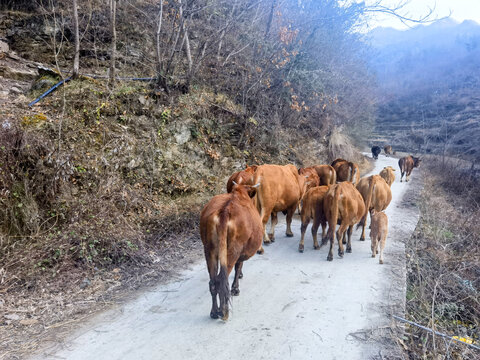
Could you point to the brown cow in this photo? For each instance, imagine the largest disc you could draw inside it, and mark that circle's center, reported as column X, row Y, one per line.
column 376, row 194
column 242, row 177
column 388, row 175
column 327, row 174
column 313, row 179
column 378, row 233
column 231, row 232
column 281, row 188
column 346, row 171
column 342, row 204
column 407, row 164
column 313, row 209
column 388, row 150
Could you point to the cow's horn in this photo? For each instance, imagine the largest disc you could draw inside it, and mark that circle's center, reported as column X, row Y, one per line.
column 234, row 182
column 256, row 185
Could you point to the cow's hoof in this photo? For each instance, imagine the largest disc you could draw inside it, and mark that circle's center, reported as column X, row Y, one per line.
column 329, row 258
column 380, row 262
column 349, row 250
column 324, row 241
column 289, row 234
column 300, row 248
column 214, row 314
column 362, row 239
column 344, row 242
column 225, row 316
column 235, row 292
column 316, row 247
column 340, row 253
column 260, row 251
column 373, row 255
column 271, row 237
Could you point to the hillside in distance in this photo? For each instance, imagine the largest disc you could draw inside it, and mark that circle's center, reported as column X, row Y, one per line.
column 428, row 81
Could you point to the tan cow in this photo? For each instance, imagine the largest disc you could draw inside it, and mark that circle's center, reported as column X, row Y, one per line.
column 242, row 177
column 376, row 194
column 346, row 171
column 342, row 204
column 378, row 233
column 231, row 232
column 313, row 209
column 281, row 188
column 388, row 150
column 388, row 175
column 327, row 174
column 407, row 164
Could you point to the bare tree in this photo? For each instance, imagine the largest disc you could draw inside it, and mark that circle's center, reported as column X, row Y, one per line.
column 76, row 59
column 113, row 16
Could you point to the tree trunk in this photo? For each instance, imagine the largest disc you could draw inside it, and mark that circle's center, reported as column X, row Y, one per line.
column 159, row 29
column 76, row 59
column 113, row 16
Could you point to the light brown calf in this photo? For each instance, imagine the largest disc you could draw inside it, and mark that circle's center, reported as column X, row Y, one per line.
column 378, row 233
column 231, row 232
column 313, row 209
column 388, row 175
column 387, row 149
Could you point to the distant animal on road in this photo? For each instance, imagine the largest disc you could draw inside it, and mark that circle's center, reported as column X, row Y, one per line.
column 346, row 171
column 376, row 150
column 313, row 209
column 388, row 150
column 388, row 175
column 281, row 188
column 342, row 204
column 244, row 177
column 407, row 164
column 378, row 233
column 231, row 232
column 376, row 194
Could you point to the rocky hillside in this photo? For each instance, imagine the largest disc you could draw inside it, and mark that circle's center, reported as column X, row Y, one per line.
column 429, row 82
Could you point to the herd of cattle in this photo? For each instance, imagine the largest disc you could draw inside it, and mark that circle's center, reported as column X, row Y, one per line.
column 233, row 225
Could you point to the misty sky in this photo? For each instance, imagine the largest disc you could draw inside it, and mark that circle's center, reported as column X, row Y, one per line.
column 461, row 10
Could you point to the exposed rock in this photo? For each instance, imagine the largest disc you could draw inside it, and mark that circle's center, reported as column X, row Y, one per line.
column 183, row 135
column 4, row 46
column 17, row 74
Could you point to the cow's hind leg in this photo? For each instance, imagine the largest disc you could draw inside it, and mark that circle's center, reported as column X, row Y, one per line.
column 349, row 242
column 290, row 212
column 324, row 233
column 374, row 246
column 303, row 228
column 340, row 235
column 238, row 272
column 382, row 241
column 315, row 226
column 212, row 264
column 274, row 223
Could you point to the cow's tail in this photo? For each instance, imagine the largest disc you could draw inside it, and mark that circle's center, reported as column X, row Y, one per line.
column 333, row 176
column 353, row 172
column 368, row 201
column 222, row 277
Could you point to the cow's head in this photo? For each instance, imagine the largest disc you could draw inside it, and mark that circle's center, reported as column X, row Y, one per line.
column 251, row 190
column 389, row 168
column 416, row 161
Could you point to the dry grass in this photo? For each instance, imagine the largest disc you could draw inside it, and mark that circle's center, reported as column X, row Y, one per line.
column 443, row 260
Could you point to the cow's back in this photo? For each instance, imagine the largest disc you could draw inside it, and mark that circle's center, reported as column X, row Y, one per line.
column 278, row 186
column 327, row 174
